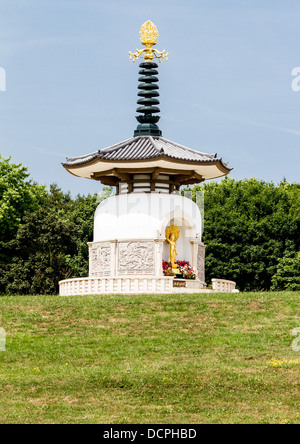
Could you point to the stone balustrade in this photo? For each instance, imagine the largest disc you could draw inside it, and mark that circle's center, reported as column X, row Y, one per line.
column 127, row 285
column 223, row 286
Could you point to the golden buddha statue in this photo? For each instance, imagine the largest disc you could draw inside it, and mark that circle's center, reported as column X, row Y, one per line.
column 172, row 235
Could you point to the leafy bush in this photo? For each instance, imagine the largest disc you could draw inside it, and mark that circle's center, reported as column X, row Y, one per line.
column 18, row 195
column 287, row 276
column 249, row 225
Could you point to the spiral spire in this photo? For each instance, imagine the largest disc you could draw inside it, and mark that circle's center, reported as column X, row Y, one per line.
column 148, row 91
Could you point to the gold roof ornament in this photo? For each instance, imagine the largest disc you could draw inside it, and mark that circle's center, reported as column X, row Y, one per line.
column 149, row 36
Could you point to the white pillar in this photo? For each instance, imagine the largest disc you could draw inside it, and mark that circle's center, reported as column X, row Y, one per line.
column 158, row 251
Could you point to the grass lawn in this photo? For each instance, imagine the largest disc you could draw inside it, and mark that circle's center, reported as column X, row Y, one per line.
column 150, row 359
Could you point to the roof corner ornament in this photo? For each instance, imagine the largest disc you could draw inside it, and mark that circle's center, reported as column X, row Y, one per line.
column 149, row 36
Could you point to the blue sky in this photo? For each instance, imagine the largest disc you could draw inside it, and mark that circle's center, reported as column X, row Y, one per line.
column 71, row 88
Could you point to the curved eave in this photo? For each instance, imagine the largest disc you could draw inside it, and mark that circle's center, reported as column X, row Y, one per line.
column 210, row 169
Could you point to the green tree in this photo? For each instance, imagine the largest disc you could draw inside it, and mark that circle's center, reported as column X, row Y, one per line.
column 52, row 243
column 17, row 195
column 43, row 241
column 287, row 276
column 249, row 225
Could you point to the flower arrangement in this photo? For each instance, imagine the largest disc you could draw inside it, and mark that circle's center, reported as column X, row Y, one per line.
column 183, row 266
column 167, row 269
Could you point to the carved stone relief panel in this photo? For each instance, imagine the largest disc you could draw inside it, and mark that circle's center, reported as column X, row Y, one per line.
column 136, row 258
column 100, row 260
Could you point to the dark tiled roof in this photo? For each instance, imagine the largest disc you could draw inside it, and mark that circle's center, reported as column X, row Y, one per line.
column 144, row 147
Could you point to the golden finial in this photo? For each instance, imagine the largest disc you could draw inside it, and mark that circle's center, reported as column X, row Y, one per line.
column 149, row 37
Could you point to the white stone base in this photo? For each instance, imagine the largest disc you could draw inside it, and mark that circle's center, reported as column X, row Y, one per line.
column 129, row 285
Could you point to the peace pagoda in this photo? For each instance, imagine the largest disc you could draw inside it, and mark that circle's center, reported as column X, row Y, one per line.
column 147, row 222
